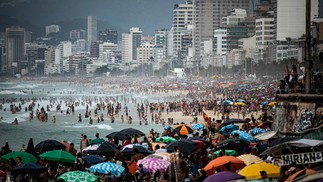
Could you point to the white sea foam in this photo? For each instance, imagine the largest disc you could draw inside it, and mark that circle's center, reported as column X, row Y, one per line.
column 26, row 86
column 10, row 92
column 99, row 126
column 9, row 118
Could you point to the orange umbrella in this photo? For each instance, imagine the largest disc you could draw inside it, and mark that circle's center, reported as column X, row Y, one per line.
column 225, row 163
column 301, row 173
column 183, row 129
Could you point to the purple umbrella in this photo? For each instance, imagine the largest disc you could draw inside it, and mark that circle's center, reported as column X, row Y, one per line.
column 223, row 177
column 154, row 164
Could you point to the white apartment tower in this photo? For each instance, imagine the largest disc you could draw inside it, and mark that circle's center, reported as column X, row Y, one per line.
column 208, row 17
column 182, row 17
column 145, row 53
column 92, row 29
column 130, row 42
column 291, row 18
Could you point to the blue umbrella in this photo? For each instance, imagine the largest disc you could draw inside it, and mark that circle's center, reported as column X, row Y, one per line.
column 107, row 167
column 93, row 159
column 229, row 128
column 244, row 135
column 197, row 126
column 168, row 127
column 256, row 131
column 264, row 103
column 227, row 102
column 240, row 100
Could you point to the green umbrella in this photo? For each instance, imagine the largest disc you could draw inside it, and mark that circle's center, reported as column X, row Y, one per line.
column 25, row 157
column 96, row 141
column 78, row 176
column 58, row 156
column 227, row 152
column 166, row 139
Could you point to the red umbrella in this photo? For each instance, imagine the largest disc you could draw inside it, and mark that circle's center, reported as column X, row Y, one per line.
column 200, row 144
column 3, row 175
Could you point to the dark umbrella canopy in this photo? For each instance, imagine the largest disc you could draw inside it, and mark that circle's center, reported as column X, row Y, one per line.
column 233, row 120
column 185, row 146
column 31, row 148
column 105, row 148
column 132, row 132
column 118, row 134
column 280, row 141
column 224, row 177
column 29, row 168
column 93, row 159
column 48, row 145
column 133, row 148
column 232, row 144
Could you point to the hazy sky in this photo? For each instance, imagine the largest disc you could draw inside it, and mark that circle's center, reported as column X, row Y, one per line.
column 147, row 14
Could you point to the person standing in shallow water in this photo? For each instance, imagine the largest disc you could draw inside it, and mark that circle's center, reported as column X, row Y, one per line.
column 84, row 142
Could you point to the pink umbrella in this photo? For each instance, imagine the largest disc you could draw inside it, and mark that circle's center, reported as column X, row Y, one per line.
column 154, row 164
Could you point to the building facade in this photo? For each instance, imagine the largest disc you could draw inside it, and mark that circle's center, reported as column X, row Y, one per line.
column 15, row 47
column 92, row 29
column 52, row 29
column 108, row 35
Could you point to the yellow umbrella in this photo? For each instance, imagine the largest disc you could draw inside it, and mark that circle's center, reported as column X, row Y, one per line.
column 253, row 171
column 249, row 159
column 240, row 104
column 272, row 104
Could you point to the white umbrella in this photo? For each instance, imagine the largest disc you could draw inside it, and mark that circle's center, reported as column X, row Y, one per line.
column 90, row 147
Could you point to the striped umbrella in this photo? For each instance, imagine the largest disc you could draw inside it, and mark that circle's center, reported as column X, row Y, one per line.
column 183, row 129
column 197, row 126
column 154, row 164
column 243, row 135
column 249, row 159
column 301, row 174
column 107, row 167
column 78, row 176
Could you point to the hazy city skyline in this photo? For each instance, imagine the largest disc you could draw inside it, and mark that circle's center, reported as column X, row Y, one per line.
column 147, row 14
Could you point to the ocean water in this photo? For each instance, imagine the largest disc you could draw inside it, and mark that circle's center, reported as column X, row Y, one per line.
column 66, row 127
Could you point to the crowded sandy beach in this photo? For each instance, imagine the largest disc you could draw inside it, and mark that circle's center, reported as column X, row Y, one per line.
column 128, row 129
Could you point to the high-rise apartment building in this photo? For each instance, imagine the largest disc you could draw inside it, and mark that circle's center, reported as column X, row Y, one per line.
column 108, row 35
column 15, row 46
column 208, row 17
column 106, row 51
column 145, row 53
column 52, row 29
column 92, row 29
column 182, row 18
column 160, row 42
column 130, row 42
column 77, row 34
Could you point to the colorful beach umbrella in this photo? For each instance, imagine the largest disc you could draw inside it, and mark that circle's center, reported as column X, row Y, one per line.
column 256, row 131
column 29, row 168
column 272, row 104
column 300, row 174
column 225, row 163
column 224, row 177
column 249, row 159
column 161, row 155
column 58, row 156
column 253, row 171
column 197, row 126
column 154, row 164
column 244, row 135
column 78, row 176
column 183, row 129
column 48, row 145
column 25, row 157
column 107, row 167
column 226, row 152
column 229, row 128
column 166, row 139
column 239, row 104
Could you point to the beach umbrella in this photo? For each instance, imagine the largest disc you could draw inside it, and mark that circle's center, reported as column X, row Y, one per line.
column 107, row 167
column 226, row 152
column 161, row 155
column 280, row 141
column 29, row 168
column 232, row 120
column 105, row 148
column 253, row 171
column 48, row 145
column 78, row 176
column 229, row 128
column 244, row 135
column 30, row 147
column 154, row 164
column 227, row 102
column 183, row 129
column 313, row 177
column 93, row 159
column 166, row 139
column 225, row 163
column 199, row 144
column 25, row 157
column 239, row 104
column 265, row 136
column 223, row 177
column 240, row 100
column 272, row 104
column 161, row 150
column 185, row 146
column 58, row 156
column 3, row 175
column 301, row 174
column 249, row 159
column 232, row 144
column 197, row 126
column 132, row 132
column 256, row 131
column 118, row 134
column 132, row 149
column 96, row 141
column 90, row 147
